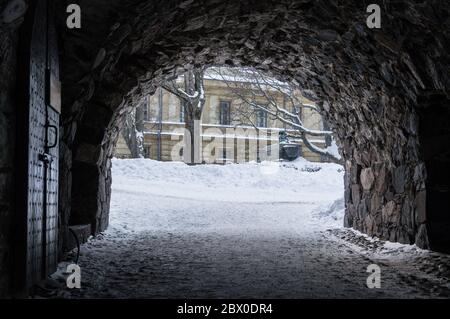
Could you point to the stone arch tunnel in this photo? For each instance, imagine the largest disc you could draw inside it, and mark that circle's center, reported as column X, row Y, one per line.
column 385, row 93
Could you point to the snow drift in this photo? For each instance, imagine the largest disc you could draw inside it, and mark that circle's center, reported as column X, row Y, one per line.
column 173, row 196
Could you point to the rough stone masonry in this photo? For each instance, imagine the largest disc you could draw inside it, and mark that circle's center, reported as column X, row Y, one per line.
column 385, row 93
column 368, row 82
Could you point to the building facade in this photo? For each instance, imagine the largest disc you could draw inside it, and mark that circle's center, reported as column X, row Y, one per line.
column 231, row 129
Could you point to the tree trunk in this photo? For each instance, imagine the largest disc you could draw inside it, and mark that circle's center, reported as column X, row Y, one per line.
column 130, row 132
column 193, row 101
column 192, row 143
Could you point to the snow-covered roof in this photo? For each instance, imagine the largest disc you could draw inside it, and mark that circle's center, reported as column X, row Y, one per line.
column 245, row 75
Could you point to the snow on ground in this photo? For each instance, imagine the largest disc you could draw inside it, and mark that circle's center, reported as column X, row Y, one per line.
column 269, row 230
column 251, row 182
column 300, row 182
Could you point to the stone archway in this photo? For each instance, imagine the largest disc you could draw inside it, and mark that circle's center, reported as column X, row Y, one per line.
column 371, row 85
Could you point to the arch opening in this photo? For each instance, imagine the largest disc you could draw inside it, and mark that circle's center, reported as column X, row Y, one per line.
column 368, row 93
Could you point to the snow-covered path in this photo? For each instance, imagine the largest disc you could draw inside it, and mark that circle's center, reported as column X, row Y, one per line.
column 231, row 231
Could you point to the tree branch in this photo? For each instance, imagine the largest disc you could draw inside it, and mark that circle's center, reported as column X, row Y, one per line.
column 246, row 93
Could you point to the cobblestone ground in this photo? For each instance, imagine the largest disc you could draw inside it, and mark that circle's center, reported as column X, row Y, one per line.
column 236, row 232
column 243, row 261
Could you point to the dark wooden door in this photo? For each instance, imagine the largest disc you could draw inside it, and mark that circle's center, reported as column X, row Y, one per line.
column 38, row 191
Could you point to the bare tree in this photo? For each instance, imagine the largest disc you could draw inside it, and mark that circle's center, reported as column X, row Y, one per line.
column 132, row 132
column 259, row 92
column 192, row 96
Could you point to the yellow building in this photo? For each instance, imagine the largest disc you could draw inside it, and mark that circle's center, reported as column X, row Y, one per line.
column 231, row 130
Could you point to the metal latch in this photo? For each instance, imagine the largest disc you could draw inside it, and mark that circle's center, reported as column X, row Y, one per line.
column 55, row 140
column 46, row 158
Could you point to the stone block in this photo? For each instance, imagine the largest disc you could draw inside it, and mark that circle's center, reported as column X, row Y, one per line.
column 383, row 180
column 388, row 211
column 82, row 233
column 400, row 178
column 420, row 207
column 367, row 178
column 88, row 153
column 355, row 194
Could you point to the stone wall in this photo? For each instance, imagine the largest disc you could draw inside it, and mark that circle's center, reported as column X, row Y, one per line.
column 11, row 13
column 83, row 197
column 434, row 132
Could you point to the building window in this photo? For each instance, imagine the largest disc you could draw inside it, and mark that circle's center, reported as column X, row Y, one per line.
column 297, row 110
column 261, row 118
column 182, row 108
column 224, row 153
column 145, row 109
column 224, row 113
column 147, row 151
column 326, row 127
